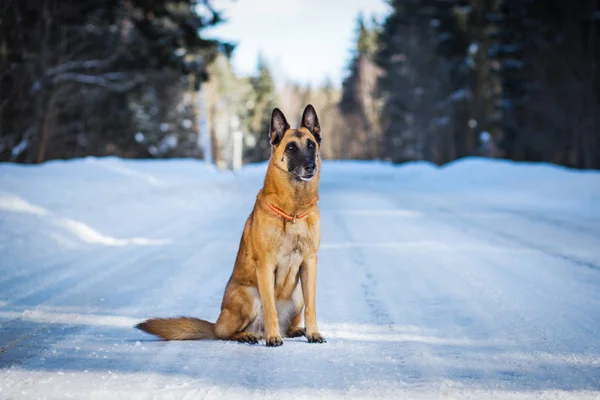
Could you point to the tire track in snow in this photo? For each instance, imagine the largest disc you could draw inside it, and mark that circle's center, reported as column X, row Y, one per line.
column 518, row 321
column 522, row 327
column 66, row 288
column 411, row 287
column 186, row 290
column 492, row 289
column 369, row 282
column 79, row 281
column 406, row 293
column 54, row 273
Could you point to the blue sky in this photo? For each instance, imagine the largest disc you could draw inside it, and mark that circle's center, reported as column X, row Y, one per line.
column 303, row 41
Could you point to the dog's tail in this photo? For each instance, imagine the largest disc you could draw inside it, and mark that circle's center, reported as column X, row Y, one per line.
column 182, row 328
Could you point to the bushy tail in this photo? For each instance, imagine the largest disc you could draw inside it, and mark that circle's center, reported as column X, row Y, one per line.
column 182, row 328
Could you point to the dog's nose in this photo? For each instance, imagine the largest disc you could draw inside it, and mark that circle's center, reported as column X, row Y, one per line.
column 310, row 167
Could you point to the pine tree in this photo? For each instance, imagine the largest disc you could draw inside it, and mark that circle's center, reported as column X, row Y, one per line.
column 71, row 72
column 416, row 83
column 508, row 51
column 359, row 103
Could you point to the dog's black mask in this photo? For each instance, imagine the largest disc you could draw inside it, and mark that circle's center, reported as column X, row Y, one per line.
column 301, row 157
column 301, row 145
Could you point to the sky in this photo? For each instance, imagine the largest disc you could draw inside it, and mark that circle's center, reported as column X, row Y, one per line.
column 303, row 41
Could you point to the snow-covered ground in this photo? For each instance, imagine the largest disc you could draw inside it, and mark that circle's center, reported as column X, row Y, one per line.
column 477, row 280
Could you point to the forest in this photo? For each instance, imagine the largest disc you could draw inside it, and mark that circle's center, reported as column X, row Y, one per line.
column 434, row 80
column 442, row 80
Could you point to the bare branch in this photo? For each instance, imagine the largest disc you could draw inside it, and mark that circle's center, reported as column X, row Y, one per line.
column 107, row 81
column 75, row 65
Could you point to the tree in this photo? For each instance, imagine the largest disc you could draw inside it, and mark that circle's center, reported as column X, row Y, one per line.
column 500, row 78
column 415, row 86
column 557, row 120
column 84, row 78
column 359, row 103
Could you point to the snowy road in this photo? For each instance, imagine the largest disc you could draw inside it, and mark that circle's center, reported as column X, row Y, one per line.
column 478, row 280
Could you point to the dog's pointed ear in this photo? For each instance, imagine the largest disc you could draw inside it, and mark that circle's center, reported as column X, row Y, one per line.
column 278, row 126
column 310, row 121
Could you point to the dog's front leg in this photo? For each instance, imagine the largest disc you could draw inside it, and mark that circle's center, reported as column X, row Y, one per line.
column 308, row 277
column 266, row 288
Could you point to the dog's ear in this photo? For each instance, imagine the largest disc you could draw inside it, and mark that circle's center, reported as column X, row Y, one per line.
column 310, row 121
column 278, row 126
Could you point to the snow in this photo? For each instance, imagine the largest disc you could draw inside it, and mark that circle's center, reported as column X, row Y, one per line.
column 477, row 280
column 460, row 94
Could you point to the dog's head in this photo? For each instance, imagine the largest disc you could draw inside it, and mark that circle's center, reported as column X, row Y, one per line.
column 296, row 150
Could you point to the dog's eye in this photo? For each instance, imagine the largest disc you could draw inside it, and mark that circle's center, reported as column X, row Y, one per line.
column 310, row 144
column 292, row 147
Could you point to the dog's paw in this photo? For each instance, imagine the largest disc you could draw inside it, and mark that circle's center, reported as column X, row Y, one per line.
column 274, row 341
column 247, row 338
column 296, row 332
column 315, row 338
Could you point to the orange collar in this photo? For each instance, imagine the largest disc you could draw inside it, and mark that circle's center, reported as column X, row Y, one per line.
column 281, row 213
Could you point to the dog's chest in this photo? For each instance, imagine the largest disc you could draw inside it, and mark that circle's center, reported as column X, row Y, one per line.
column 289, row 260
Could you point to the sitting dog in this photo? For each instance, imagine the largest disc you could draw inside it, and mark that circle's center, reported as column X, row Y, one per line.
column 275, row 272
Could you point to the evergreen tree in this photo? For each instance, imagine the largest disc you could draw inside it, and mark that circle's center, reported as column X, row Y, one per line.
column 103, row 77
column 358, row 103
column 415, row 86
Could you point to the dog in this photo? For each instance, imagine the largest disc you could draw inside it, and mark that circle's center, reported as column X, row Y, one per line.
column 275, row 272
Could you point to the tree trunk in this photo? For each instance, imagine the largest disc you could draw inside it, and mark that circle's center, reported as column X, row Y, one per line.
column 41, row 153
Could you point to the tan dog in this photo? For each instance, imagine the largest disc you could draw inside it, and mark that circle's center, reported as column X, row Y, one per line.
column 275, row 271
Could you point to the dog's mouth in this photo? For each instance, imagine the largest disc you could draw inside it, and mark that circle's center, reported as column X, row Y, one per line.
column 307, row 177
column 303, row 175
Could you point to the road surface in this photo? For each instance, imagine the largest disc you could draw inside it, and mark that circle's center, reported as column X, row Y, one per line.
column 478, row 280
